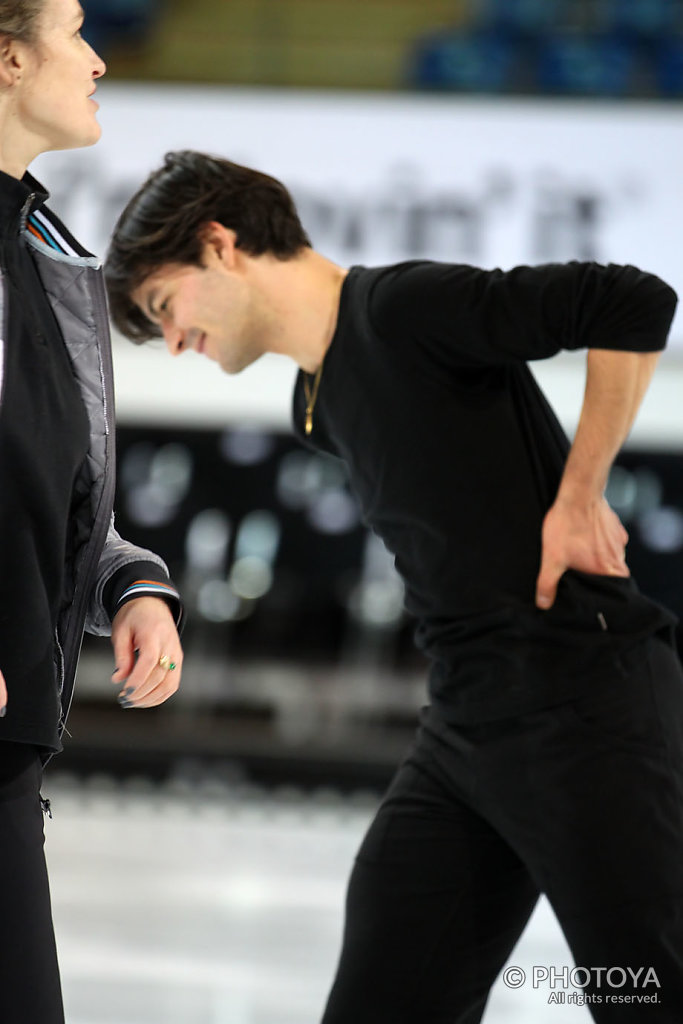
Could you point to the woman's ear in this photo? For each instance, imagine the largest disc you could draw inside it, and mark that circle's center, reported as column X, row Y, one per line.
column 11, row 61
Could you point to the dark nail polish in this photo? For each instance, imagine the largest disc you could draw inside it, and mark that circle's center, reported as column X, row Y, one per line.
column 3, row 711
column 128, row 691
column 125, row 703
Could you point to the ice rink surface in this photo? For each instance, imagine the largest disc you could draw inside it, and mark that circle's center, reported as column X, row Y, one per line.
column 216, row 903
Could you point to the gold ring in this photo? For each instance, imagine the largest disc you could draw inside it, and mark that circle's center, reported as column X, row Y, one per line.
column 165, row 662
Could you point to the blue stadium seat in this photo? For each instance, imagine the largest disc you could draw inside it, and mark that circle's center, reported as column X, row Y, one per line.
column 477, row 62
column 522, row 17
column 640, row 19
column 585, row 65
column 668, row 71
column 117, row 21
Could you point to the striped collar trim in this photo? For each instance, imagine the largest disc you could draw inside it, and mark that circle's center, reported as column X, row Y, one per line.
column 44, row 230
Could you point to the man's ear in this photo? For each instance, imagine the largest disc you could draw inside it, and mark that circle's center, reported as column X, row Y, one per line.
column 11, row 61
column 219, row 243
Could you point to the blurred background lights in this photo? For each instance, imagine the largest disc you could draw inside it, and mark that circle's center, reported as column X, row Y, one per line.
column 256, row 546
column 246, row 446
column 259, row 536
column 334, row 511
column 206, row 544
column 251, row 577
column 378, row 562
column 621, row 492
column 134, row 467
column 302, row 477
column 151, row 505
column 171, row 469
column 156, row 481
column 218, row 602
column 298, row 479
column 377, row 603
column 633, row 492
column 377, row 599
column 662, row 529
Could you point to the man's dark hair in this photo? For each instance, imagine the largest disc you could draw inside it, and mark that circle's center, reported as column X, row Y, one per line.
column 163, row 224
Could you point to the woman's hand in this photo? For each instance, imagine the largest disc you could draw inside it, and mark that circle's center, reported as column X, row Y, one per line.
column 3, row 696
column 145, row 627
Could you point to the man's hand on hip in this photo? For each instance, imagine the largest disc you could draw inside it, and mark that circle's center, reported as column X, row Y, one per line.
column 587, row 537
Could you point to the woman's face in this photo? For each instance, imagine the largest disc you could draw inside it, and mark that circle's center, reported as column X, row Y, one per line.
column 54, row 92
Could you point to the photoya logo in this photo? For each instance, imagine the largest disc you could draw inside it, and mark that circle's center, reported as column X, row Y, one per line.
column 606, row 984
column 584, row 977
column 596, row 977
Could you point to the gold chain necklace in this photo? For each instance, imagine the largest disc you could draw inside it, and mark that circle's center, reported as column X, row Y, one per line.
column 311, row 393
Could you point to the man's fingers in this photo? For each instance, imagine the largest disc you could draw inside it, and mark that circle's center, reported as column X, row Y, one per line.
column 545, row 597
column 613, row 560
column 546, row 584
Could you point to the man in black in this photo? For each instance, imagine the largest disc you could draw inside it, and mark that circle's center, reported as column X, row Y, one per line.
column 550, row 757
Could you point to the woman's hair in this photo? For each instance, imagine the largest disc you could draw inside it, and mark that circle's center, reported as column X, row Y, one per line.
column 162, row 224
column 19, row 18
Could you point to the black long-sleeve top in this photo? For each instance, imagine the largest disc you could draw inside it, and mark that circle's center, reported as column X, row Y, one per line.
column 46, row 513
column 44, row 437
column 455, row 456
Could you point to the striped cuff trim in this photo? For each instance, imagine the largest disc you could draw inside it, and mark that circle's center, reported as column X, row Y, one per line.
column 151, row 588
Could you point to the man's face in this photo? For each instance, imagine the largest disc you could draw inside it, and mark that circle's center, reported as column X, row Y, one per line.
column 206, row 309
column 55, row 104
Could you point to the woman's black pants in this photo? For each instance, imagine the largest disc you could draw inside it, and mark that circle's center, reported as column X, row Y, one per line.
column 583, row 802
column 30, row 991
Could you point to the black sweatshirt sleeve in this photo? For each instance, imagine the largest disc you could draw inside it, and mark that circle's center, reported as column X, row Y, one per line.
column 468, row 316
column 142, row 579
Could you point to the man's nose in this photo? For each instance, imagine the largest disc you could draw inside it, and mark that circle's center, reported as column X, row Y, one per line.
column 173, row 337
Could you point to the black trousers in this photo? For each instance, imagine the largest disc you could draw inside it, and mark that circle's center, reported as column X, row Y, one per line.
column 30, row 991
column 583, row 802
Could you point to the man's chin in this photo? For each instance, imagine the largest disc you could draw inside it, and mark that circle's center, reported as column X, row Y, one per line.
column 233, row 366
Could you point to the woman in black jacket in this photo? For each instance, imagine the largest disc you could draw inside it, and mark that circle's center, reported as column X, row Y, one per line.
column 63, row 567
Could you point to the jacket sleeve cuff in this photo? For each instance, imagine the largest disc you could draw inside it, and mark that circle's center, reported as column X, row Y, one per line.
column 141, row 579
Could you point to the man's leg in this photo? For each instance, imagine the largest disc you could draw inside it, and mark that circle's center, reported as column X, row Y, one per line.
column 30, row 991
column 435, row 904
column 599, row 823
